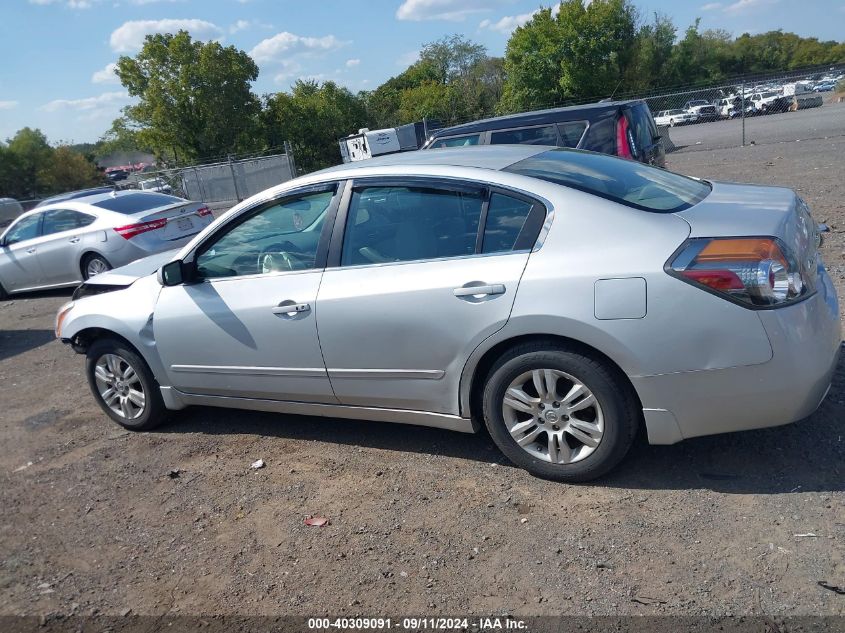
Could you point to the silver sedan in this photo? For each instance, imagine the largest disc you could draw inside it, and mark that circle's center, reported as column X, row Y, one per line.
column 563, row 299
column 66, row 242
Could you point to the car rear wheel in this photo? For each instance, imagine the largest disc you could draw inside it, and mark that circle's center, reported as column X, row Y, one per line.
column 94, row 265
column 559, row 414
column 124, row 386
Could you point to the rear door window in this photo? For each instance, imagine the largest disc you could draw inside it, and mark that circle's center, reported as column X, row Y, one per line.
column 545, row 135
column 456, row 141
column 571, row 132
column 60, row 220
column 405, row 223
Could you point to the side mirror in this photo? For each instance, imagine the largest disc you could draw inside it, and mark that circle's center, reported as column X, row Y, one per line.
column 172, row 273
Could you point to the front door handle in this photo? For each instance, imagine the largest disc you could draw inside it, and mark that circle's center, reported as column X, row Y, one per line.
column 30, row 250
column 290, row 308
column 476, row 291
column 74, row 240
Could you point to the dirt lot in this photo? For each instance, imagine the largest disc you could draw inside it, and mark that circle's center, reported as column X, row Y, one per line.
column 422, row 521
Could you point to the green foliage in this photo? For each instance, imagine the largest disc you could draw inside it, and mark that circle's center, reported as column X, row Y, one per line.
column 195, row 99
column 312, row 118
column 31, row 168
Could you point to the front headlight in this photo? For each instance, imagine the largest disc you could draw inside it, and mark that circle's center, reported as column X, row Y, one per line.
column 60, row 317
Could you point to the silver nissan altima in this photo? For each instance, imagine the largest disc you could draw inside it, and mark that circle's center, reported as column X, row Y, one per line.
column 70, row 240
column 562, row 299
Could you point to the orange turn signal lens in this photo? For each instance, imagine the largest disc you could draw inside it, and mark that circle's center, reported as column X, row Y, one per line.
column 742, row 249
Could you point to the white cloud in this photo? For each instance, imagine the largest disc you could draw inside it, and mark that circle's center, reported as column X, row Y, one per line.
column 288, row 68
column 352, row 63
column 105, row 100
column 285, row 45
column 106, row 75
column 8, row 105
column 140, row 2
column 509, row 23
column 712, row 6
column 129, row 36
column 742, row 6
column 240, row 25
column 449, row 10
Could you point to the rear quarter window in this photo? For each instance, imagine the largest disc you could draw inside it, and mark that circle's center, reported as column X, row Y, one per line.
column 137, row 202
column 545, row 135
column 455, row 141
column 601, row 137
column 626, row 182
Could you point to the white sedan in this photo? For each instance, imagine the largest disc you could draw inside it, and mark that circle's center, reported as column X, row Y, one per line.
column 674, row 117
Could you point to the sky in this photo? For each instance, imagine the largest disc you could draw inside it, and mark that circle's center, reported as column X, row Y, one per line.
column 57, row 55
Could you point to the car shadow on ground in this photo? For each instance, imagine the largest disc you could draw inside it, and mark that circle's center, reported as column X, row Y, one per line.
column 14, row 342
column 808, row 456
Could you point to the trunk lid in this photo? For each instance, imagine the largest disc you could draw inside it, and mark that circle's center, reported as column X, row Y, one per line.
column 175, row 221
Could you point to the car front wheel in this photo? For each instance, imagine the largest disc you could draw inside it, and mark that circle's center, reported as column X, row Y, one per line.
column 559, row 414
column 124, row 386
column 94, row 265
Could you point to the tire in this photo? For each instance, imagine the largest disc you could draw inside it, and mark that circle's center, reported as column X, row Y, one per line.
column 615, row 413
column 111, row 354
column 91, row 262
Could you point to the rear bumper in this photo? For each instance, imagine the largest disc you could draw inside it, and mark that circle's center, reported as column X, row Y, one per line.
column 806, row 343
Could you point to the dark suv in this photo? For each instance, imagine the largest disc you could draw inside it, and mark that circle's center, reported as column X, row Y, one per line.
column 621, row 128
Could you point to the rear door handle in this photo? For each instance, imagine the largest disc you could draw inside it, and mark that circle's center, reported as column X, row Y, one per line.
column 30, row 250
column 289, row 308
column 473, row 291
column 74, row 240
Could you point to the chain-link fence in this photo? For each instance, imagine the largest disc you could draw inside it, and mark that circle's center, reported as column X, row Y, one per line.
column 753, row 110
column 219, row 184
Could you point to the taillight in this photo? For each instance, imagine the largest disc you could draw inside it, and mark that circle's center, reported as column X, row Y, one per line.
column 203, row 211
column 756, row 271
column 623, row 146
column 131, row 230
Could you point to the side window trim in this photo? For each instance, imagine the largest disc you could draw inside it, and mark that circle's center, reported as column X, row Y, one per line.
column 322, row 247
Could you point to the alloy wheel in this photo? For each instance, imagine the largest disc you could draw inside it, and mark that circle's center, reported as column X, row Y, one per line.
column 96, row 266
column 120, row 386
column 553, row 416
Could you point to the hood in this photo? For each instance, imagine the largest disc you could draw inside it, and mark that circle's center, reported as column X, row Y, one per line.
column 126, row 275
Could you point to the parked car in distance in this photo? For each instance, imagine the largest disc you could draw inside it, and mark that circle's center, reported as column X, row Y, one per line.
column 769, row 102
column 702, row 110
column 620, row 128
column 73, row 195
column 565, row 299
column 9, row 210
column 116, row 175
column 827, row 86
column 63, row 243
column 674, row 117
column 155, row 184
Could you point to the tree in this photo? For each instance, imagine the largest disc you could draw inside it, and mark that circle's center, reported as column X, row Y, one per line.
column 68, row 170
column 312, row 118
column 583, row 52
column 194, row 98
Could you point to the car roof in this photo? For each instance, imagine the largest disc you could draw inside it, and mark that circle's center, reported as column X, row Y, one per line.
column 589, row 111
column 494, row 157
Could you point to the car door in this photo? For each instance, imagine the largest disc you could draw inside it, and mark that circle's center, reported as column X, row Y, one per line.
column 60, row 245
column 19, row 268
column 422, row 272
column 245, row 325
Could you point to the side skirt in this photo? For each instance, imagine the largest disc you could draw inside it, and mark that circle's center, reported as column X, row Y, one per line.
column 174, row 399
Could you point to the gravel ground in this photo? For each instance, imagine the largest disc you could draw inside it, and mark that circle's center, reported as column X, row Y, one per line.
column 97, row 520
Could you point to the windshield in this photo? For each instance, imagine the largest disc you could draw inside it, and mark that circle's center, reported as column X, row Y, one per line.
column 627, row 182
